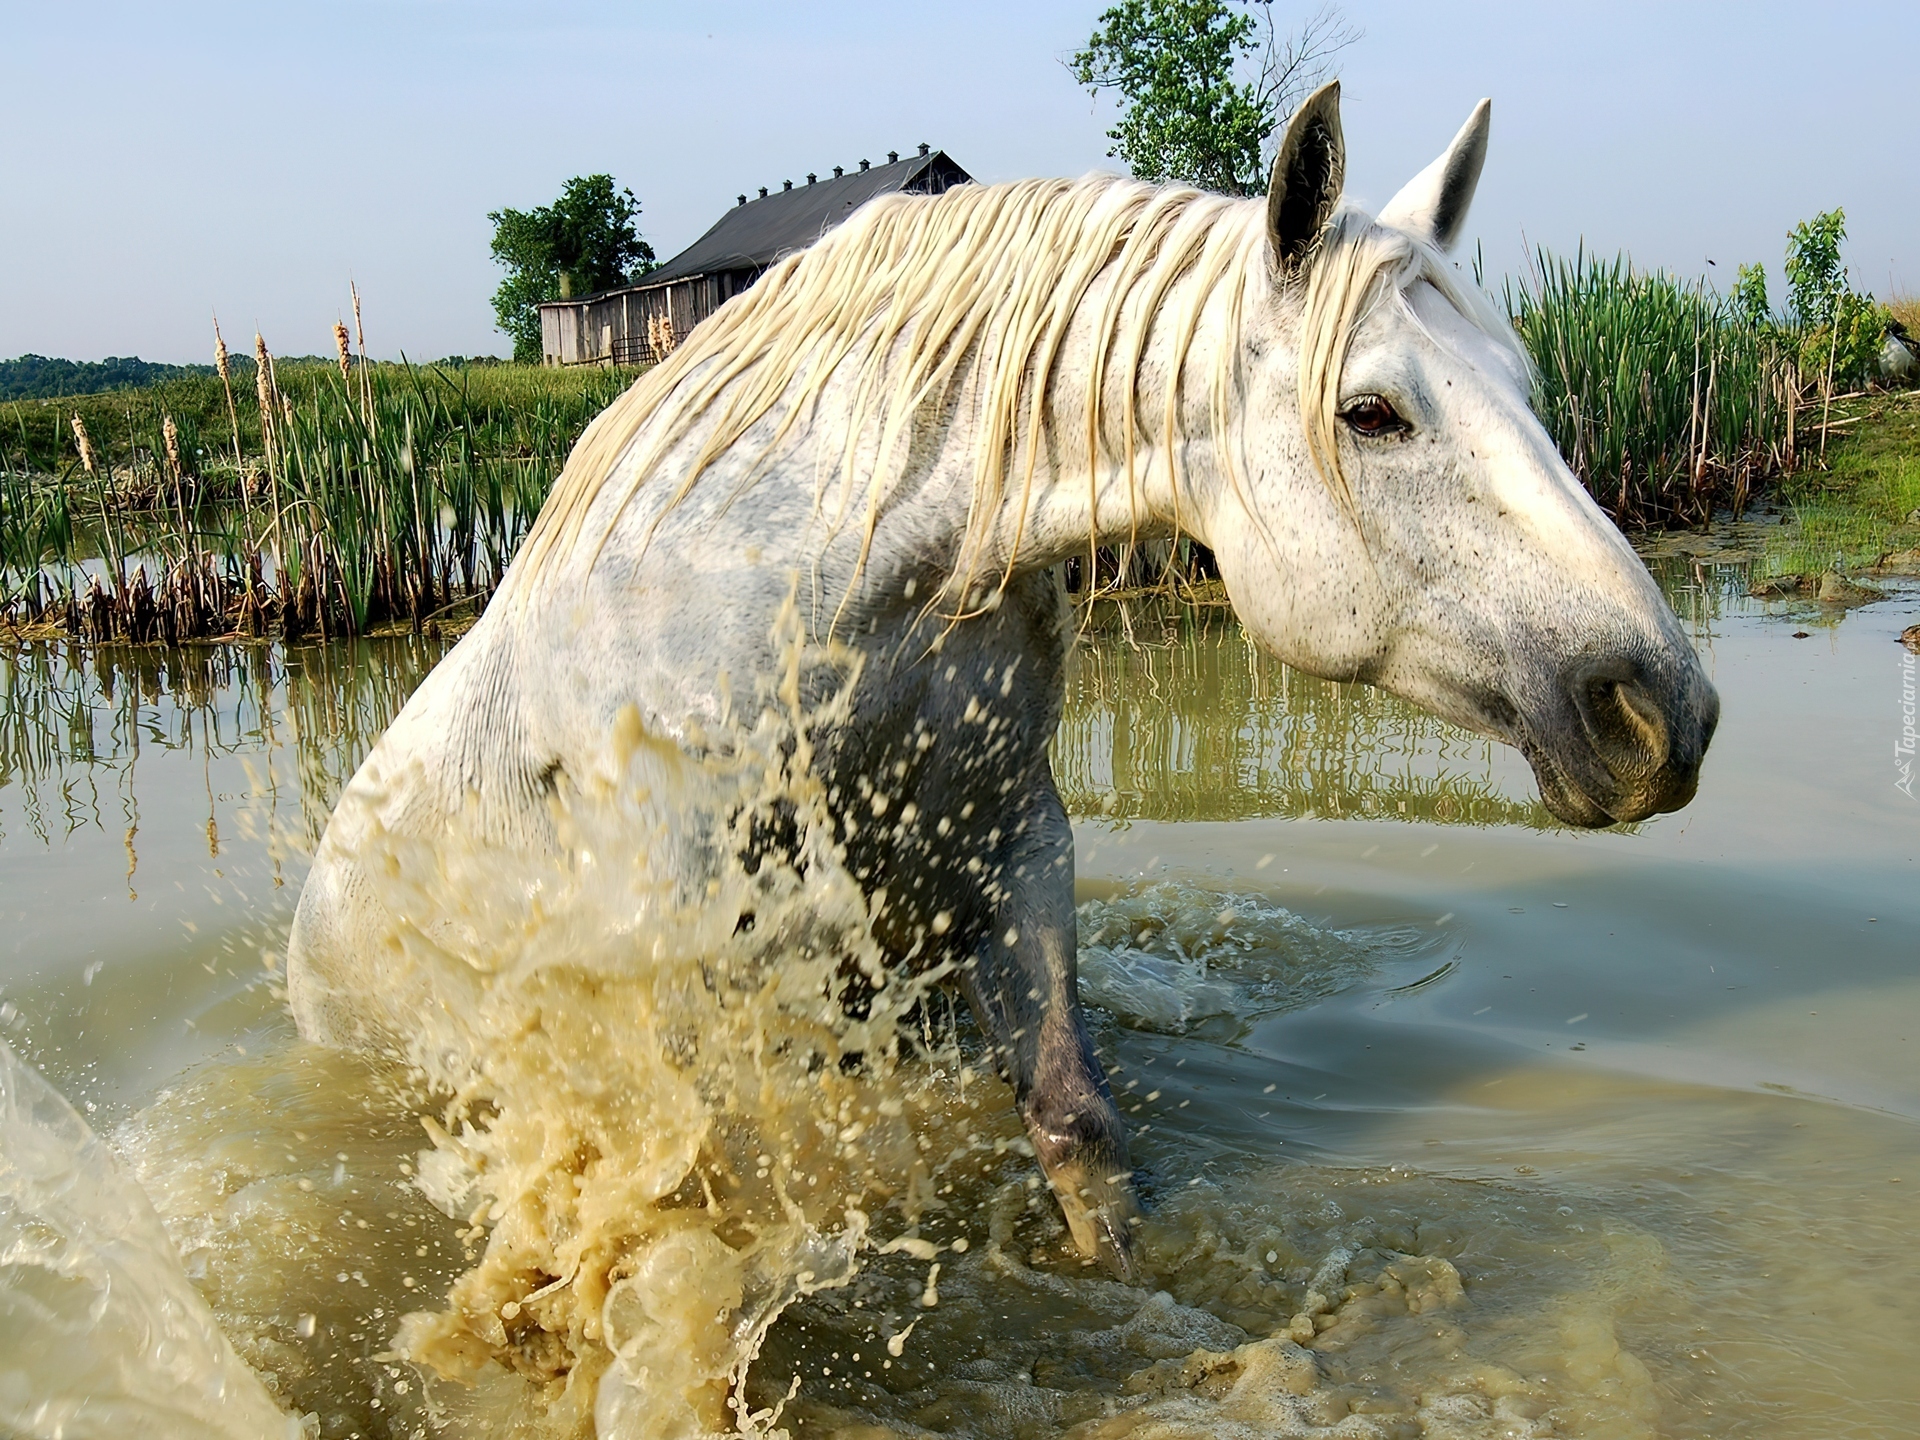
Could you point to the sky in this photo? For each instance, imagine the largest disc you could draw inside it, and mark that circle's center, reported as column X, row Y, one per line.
column 161, row 163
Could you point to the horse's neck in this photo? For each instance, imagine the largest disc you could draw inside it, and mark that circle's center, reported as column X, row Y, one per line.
column 1117, row 483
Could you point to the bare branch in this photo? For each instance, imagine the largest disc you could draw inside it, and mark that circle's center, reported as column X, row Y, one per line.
column 1294, row 65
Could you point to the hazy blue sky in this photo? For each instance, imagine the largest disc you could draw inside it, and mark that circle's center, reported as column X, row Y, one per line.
column 159, row 162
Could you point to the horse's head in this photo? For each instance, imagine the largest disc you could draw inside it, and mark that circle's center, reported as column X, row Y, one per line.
column 1430, row 538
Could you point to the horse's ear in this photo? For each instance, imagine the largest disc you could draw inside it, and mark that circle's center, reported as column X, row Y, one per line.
column 1433, row 205
column 1309, row 171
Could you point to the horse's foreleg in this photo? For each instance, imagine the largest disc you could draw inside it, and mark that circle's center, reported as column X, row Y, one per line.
column 1022, row 983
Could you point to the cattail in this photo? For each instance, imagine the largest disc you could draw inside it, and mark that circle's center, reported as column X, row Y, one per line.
column 660, row 335
column 341, row 344
column 360, row 341
column 170, row 433
column 221, row 364
column 83, row 441
column 263, row 381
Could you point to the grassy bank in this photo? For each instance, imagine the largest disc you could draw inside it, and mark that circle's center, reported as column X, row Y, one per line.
column 514, row 406
column 1860, row 503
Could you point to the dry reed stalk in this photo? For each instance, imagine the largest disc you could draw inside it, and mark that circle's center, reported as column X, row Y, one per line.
column 360, row 340
column 222, row 364
column 225, row 368
column 264, row 388
column 263, row 391
column 1826, row 408
column 1713, row 375
column 176, row 472
column 1790, row 396
column 84, row 443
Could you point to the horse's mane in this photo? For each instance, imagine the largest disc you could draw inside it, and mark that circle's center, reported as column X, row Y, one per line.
column 912, row 289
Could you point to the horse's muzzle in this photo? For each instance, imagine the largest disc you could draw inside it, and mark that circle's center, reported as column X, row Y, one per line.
column 1625, row 741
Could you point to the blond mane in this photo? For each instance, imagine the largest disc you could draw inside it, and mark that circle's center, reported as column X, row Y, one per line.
column 917, row 293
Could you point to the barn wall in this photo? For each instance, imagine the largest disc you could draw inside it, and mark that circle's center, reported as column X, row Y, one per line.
column 613, row 328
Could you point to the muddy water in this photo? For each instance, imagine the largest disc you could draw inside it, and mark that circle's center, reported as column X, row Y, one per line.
column 1455, row 1123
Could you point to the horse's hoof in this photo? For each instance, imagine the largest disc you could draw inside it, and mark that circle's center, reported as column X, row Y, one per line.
column 1102, row 1214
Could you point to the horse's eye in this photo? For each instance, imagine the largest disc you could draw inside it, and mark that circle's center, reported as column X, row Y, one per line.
column 1372, row 415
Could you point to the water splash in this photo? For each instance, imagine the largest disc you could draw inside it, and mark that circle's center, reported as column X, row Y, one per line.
column 1167, row 955
column 101, row 1333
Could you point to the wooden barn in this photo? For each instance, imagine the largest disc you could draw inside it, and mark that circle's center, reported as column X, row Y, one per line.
column 637, row 323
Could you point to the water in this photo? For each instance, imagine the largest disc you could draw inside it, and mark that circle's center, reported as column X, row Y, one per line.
column 1455, row 1123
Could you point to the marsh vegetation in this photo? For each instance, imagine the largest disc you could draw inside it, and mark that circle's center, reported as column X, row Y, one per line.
column 1665, row 400
column 310, row 498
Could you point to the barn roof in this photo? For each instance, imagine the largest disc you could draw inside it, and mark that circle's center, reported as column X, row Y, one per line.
column 754, row 235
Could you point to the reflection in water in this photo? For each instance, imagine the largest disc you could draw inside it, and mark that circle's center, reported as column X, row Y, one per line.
column 77, row 720
column 1172, row 716
column 1175, row 715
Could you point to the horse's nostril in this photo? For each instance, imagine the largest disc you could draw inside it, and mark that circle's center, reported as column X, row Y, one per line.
column 1626, row 727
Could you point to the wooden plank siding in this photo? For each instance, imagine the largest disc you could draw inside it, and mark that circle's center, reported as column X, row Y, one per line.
column 612, row 328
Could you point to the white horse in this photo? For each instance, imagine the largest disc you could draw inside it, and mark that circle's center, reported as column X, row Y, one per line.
column 894, row 439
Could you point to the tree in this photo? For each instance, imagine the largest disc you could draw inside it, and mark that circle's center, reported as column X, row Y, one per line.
column 1841, row 329
column 1202, row 85
column 1815, row 277
column 583, row 242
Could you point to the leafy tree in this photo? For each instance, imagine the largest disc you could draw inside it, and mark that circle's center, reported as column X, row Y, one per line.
column 1848, row 344
column 1815, row 277
column 1841, row 329
column 1202, row 84
column 35, row 377
column 583, row 242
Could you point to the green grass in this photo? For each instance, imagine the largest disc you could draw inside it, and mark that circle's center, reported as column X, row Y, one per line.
column 1864, row 501
column 513, row 407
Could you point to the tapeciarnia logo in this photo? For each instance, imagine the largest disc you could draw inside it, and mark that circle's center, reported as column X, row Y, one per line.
column 1903, row 747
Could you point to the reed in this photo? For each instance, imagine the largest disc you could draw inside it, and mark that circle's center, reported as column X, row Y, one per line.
column 1664, row 401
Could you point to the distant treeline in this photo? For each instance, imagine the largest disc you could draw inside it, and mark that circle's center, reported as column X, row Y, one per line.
column 35, row 377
